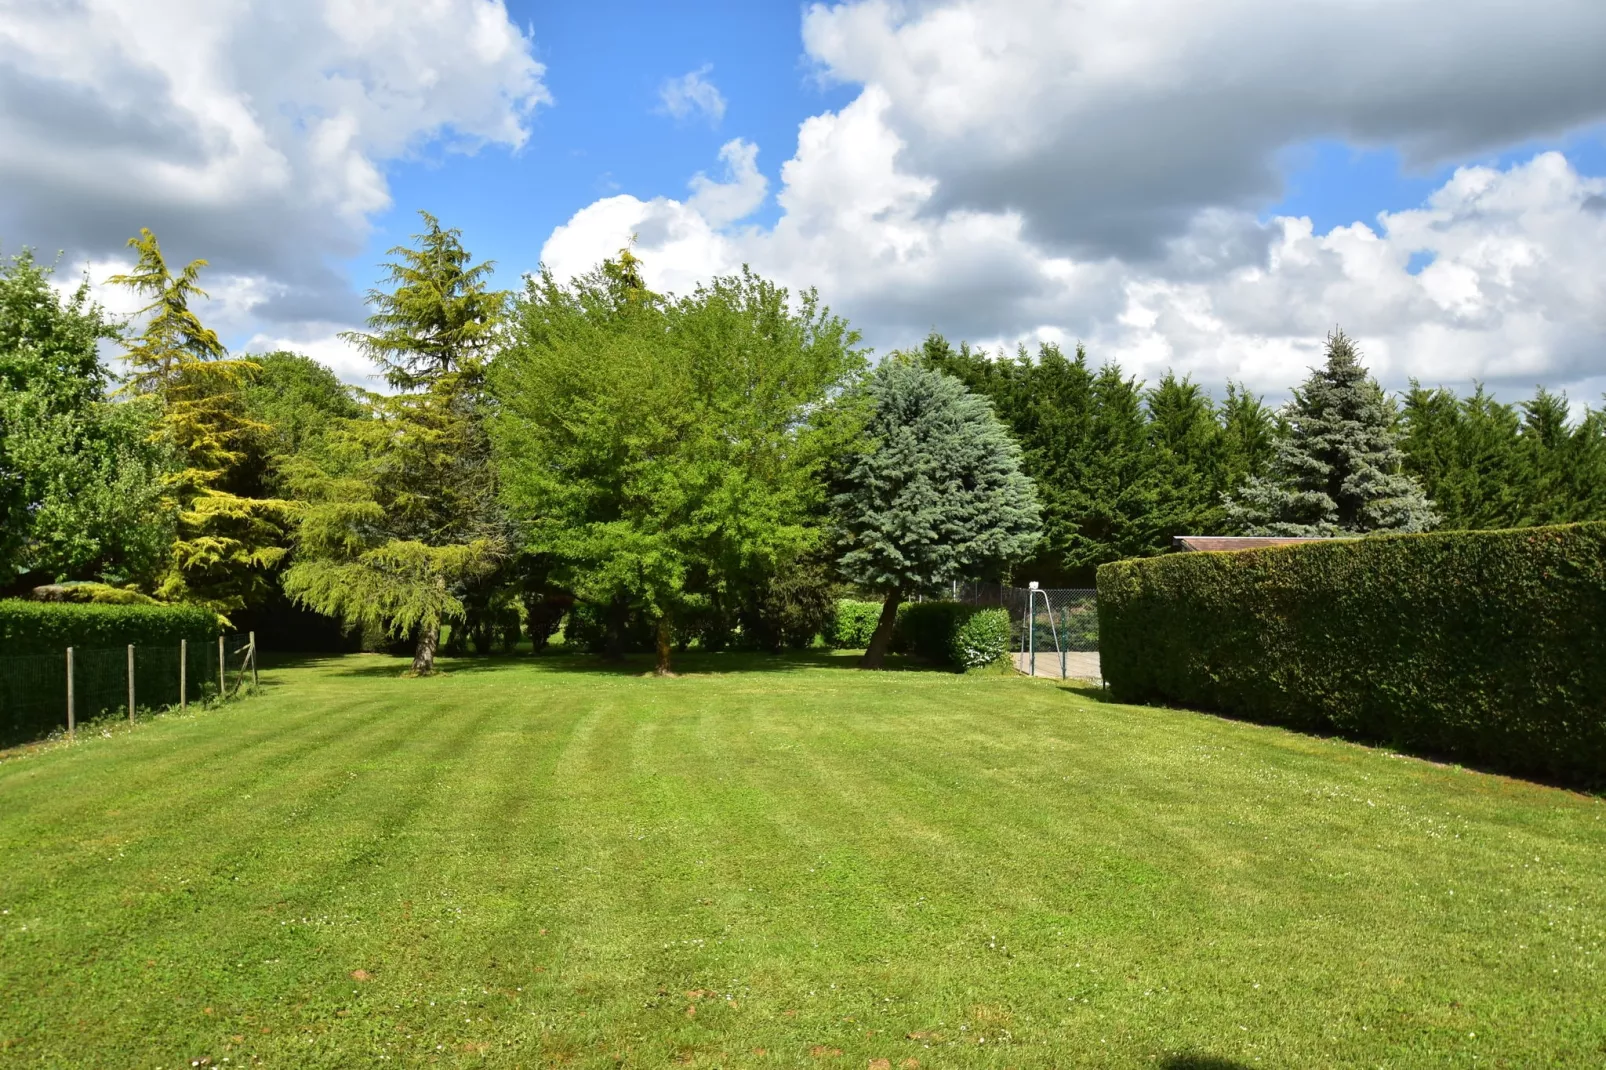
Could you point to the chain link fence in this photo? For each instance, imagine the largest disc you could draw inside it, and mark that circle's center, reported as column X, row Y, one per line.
column 1054, row 631
column 44, row 693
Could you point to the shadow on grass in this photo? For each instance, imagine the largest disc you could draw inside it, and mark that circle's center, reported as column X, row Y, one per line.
column 691, row 663
column 1193, row 1061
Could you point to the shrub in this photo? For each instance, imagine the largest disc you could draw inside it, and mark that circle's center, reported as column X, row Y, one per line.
column 50, row 627
column 955, row 634
column 853, row 624
column 1484, row 646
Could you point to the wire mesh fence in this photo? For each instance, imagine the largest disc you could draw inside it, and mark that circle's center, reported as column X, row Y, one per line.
column 1055, row 631
column 41, row 693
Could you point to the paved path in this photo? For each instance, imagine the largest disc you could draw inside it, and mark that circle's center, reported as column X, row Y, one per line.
column 1079, row 665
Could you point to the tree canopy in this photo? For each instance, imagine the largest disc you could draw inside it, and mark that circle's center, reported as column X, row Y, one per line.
column 937, row 496
column 402, row 515
column 663, row 453
column 1337, row 467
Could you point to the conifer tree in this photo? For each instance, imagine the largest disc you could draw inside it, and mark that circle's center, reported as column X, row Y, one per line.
column 937, row 497
column 227, row 543
column 1337, row 466
column 404, row 518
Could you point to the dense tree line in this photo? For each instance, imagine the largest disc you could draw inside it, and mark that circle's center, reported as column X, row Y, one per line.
column 653, row 472
column 1121, row 467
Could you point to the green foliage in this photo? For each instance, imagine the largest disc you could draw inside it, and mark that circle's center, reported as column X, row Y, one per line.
column 953, row 634
column 852, row 624
column 665, row 453
column 1476, row 645
column 939, row 495
column 1118, row 469
column 402, row 519
column 437, row 318
column 81, row 482
column 1338, row 464
column 51, row 627
column 228, row 543
column 297, row 405
column 1488, row 464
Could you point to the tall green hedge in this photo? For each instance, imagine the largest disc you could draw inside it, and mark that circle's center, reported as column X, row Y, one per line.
column 852, row 624
column 50, row 627
column 954, row 634
column 1487, row 646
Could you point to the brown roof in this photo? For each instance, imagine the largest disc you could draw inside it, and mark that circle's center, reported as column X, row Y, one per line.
column 1235, row 542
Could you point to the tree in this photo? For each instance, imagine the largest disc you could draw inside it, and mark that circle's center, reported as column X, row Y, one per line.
column 298, row 404
column 227, row 542
column 662, row 454
column 402, row 517
column 1337, row 466
column 938, row 494
column 81, row 481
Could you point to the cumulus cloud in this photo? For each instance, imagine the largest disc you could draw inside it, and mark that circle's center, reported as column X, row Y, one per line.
column 692, row 94
column 739, row 195
column 254, row 133
column 1037, row 171
column 1108, row 125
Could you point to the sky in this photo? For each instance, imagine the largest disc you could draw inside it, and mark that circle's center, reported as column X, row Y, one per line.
column 1204, row 188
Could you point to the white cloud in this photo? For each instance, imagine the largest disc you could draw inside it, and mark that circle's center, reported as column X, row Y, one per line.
column 741, row 193
column 692, row 94
column 1037, row 171
column 252, row 133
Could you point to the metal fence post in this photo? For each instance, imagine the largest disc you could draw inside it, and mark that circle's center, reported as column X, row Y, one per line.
column 71, row 728
column 256, row 684
column 222, row 670
column 130, row 685
column 183, row 674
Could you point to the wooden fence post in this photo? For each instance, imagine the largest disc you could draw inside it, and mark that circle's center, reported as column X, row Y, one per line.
column 256, row 684
column 183, row 675
column 222, row 671
column 71, row 728
column 130, row 685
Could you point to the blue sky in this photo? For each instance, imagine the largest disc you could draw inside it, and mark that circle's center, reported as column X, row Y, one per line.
column 1011, row 172
column 607, row 132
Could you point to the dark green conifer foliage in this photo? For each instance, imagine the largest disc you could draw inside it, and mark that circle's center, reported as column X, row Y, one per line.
column 402, row 517
column 939, row 495
column 1337, row 468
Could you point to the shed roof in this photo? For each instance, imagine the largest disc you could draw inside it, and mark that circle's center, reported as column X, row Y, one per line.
column 1187, row 543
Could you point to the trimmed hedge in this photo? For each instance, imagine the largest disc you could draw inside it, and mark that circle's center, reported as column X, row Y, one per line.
column 1487, row 646
column 952, row 633
column 852, row 624
column 51, row 627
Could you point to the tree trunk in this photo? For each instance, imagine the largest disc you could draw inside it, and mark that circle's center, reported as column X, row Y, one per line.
column 618, row 619
column 424, row 654
column 663, row 646
column 876, row 653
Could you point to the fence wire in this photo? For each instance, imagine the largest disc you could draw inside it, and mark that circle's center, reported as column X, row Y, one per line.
column 33, row 687
column 1054, row 630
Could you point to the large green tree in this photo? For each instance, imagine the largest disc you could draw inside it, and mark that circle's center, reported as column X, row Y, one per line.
column 1338, row 464
column 228, row 541
column 662, row 454
column 81, row 480
column 937, row 496
column 402, row 518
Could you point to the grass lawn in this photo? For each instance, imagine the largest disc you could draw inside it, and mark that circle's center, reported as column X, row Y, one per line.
column 538, row 862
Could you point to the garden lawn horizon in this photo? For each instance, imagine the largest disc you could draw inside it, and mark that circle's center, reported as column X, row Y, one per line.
column 777, row 861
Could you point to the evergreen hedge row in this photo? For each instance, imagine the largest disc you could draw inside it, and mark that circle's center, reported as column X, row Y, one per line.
column 852, row 624
column 50, row 627
column 954, row 634
column 1487, row 646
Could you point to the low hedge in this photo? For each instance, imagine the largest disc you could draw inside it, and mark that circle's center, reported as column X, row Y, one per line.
column 952, row 633
column 1488, row 647
column 852, row 624
column 50, row 627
